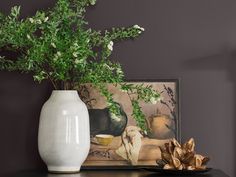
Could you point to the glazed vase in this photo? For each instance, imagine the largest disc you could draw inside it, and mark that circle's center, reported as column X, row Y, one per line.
column 64, row 135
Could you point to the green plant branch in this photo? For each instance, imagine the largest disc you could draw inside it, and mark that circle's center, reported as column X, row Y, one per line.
column 57, row 45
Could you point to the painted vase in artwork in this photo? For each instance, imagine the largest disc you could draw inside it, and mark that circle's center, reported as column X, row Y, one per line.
column 103, row 122
column 161, row 126
column 64, row 135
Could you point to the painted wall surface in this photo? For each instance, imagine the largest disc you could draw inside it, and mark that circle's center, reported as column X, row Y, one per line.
column 191, row 40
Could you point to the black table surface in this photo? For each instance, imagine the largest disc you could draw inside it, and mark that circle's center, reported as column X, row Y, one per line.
column 114, row 173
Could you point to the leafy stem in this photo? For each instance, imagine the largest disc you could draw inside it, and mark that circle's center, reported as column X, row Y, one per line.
column 57, row 45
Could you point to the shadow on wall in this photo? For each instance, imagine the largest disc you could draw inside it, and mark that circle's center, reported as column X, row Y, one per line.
column 223, row 61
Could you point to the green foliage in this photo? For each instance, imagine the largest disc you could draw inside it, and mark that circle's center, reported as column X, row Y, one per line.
column 138, row 115
column 56, row 45
column 145, row 93
column 137, row 93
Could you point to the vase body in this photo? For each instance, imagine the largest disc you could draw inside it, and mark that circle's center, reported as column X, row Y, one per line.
column 64, row 135
column 161, row 127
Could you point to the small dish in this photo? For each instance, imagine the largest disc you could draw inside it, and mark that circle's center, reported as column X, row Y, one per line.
column 104, row 139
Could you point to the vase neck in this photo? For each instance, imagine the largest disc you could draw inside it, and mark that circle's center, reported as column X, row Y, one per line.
column 65, row 95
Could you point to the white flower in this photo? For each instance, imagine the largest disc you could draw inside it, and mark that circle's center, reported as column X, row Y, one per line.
column 153, row 100
column 110, row 45
column 31, row 20
column 46, row 19
column 53, row 45
column 77, row 61
column 138, row 27
column 59, row 54
column 114, row 116
column 119, row 71
column 107, row 66
column 110, row 48
column 56, row 56
column 76, row 44
column 145, row 132
column 124, row 91
column 28, row 36
column 92, row 2
column 75, row 54
column 39, row 21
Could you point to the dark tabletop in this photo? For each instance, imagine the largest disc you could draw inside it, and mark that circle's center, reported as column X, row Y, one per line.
column 114, row 173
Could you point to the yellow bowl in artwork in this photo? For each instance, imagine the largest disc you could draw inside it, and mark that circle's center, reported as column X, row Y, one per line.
column 104, row 139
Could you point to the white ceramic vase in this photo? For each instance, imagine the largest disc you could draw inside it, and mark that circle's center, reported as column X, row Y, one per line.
column 64, row 136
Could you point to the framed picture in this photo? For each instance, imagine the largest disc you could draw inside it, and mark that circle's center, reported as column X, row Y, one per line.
column 115, row 142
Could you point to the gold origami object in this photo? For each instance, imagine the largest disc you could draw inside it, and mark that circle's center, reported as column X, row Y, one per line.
column 181, row 157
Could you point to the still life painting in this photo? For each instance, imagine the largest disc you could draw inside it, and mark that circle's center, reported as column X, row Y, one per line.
column 118, row 141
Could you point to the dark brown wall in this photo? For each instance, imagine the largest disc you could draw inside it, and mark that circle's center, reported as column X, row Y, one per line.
column 194, row 40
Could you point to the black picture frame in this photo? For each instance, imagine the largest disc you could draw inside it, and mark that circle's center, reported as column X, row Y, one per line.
column 178, row 133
